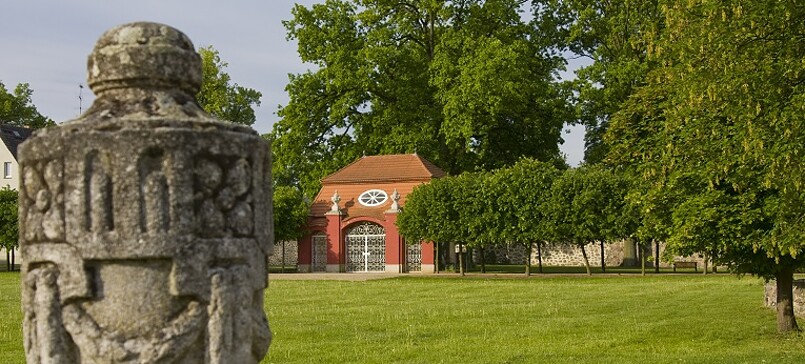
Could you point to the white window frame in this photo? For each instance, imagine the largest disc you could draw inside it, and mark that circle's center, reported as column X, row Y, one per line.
column 372, row 198
column 7, row 170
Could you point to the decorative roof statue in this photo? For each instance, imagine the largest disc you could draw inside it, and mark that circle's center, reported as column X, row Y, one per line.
column 336, row 199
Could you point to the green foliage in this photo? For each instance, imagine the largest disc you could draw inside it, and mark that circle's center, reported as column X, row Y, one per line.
column 17, row 108
column 519, row 195
column 290, row 213
column 715, row 134
column 482, row 208
column 219, row 97
column 617, row 37
column 9, row 231
column 431, row 213
column 586, row 205
column 466, row 84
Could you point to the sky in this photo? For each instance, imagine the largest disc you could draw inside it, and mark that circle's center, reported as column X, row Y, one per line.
column 46, row 43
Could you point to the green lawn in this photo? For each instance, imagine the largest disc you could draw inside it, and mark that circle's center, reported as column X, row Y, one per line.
column 554, row 319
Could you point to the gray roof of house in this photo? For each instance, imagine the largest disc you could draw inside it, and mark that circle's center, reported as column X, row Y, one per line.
column 13, row 136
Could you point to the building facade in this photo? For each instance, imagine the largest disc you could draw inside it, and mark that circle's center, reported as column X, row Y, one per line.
column 352, row 223
column 12, row 137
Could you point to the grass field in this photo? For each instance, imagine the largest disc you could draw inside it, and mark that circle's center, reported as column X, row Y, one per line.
column 553, row 319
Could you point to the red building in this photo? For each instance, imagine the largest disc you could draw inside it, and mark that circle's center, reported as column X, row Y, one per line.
column 352, row 220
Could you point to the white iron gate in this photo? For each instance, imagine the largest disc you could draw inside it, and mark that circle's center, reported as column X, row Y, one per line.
column 366, row 248
column 319, row 263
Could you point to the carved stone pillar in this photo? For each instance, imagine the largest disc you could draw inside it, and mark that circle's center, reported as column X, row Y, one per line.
column 146, row 223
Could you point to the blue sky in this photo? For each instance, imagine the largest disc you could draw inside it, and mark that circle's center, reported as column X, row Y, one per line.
column 46, row 43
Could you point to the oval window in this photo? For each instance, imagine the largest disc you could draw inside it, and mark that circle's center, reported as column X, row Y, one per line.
column 373, row 198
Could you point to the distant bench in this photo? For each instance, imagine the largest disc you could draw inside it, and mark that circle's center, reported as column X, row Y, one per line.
column 686, row 265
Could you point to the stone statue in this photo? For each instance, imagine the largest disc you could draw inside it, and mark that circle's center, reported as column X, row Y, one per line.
column 146, row 223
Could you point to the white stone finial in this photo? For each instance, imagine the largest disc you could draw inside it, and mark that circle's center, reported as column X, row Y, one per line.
column 336, row 199
column 395, row 198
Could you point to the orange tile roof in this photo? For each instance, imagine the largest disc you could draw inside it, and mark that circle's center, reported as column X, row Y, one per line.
column 386, row 168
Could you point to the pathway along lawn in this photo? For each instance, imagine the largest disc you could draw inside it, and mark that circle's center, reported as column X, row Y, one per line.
column 413, row 319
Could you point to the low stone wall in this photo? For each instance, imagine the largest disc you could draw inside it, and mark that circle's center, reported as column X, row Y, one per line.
column 291, row 253
column 570, row 255
column 770, row 296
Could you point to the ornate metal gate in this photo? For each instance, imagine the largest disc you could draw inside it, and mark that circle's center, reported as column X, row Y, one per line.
column 366, row 248
column 319, row 263
column 413, row 257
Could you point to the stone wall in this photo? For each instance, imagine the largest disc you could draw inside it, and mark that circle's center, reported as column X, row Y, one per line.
column 570, row 255
column 770, row 296
column 291, row 253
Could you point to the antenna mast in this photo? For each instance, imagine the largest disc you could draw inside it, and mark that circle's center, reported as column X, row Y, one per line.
column 80, row 99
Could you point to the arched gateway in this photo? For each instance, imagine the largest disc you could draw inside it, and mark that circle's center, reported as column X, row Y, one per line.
column 366, row 248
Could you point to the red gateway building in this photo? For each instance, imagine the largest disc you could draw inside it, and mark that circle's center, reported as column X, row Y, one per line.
column 352, row 220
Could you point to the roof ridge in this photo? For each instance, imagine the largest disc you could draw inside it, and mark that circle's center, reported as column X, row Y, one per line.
column 377, row 168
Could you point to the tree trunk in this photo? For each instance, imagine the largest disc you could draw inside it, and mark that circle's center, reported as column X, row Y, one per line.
column 528, row 260
column 539, row 255
column 8, row 260
column 483, row 260
column 656, row 256
column 460, row 261
column 13, row 260
column 786, row 322
column 436, row 248
column 704, row 271
column 586, row 261
column 603, row 262
column 642, row 260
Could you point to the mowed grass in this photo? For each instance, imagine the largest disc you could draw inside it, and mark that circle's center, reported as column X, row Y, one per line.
column 660, row 319
column 546, row 319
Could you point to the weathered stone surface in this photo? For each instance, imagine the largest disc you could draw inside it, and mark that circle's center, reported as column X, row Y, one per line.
column 770, row 296
column 145, row 223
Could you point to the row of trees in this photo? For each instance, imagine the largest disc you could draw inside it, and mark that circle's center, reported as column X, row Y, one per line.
column 531, row 203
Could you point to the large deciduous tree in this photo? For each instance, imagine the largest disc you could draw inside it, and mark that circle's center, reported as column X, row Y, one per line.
column 729, row 143
column 219, row 96
column 466, row 84
column 615, row 37
column 17, row 108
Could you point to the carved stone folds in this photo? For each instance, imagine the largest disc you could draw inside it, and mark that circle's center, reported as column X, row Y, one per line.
column 146, row 223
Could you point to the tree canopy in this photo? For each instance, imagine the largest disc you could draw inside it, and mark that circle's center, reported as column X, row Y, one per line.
column 724, row 145
column 290, row 213
column 9, row 233
column 17, row 108
column 615, row 36
column 587, row 205
column 219, row 96
column 466, row 84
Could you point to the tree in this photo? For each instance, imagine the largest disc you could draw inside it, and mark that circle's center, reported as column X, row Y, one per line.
column 219, row 97
column 520, row 194
column 290, row 213
column 18, row 109
column 587, row 205
column 9, row 233
column 429, row 215
column 729, row 142
column 615, row 36
column 466, row 84
column 290, row 216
